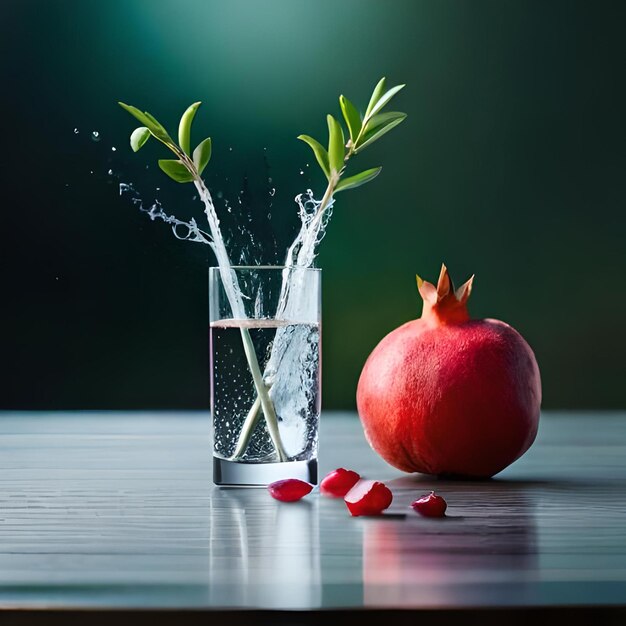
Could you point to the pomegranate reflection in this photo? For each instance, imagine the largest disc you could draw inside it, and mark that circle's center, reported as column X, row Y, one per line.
column 422, row 562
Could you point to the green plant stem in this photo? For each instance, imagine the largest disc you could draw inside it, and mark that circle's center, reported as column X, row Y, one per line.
column 253, row 363
column 263, row 394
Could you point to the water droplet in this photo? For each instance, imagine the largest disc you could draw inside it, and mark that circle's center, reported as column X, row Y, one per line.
column 113, row 148
column 76, row 131
column 272, row 191
column 147, row 166
column 194, row 197
column 91, row 171
column 269, row 180
column 220, row 194
column 301, row 172
column 230, row 149
column 269, row 216
column 110, row 172
column 95, row 136
column 307, row 165
column 158, row 188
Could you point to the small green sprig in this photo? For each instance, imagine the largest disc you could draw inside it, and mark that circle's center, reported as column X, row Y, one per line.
column 363, row 130
column 188, row 167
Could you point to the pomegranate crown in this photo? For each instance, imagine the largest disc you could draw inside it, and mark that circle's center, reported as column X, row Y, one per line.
column 444, row 304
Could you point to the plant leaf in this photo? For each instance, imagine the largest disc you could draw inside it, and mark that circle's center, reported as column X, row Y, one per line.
column 378, row 131
column 176, row 170
column 138, row 137
column 358, row 179
column 159, row 131
column 352, row 117
column 379, row 90
column 150, row 122
column 384, row 99
column 381, row 119
column 320, row 153
column 202, row 154
column 336, row 148
column 184, row 127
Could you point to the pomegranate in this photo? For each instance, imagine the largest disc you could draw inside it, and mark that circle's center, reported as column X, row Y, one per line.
column 430, row 505
column 337, row 483
column 368, row 497
column 448, row 395
column 289, row 489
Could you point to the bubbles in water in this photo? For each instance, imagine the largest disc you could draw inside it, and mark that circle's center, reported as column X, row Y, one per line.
column 76, row 131
column 110, row 172
column 95, row 136
column 113, row 148
column 272, row 191
column 220, row 194
column 301, row 172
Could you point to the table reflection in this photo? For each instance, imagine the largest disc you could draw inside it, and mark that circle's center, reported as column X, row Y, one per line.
column 263, row 553
column 458, row 560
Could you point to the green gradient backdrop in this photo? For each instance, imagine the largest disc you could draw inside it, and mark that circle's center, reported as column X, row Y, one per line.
column 510, row 166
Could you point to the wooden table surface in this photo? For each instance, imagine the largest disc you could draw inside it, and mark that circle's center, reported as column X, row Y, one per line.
column 117, row 510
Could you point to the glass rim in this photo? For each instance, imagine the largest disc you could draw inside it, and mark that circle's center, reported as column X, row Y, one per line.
column 267, row 267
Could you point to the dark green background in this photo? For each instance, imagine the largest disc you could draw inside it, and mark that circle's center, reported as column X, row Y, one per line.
column 511, row 165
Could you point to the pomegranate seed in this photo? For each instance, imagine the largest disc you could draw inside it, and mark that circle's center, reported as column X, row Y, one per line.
column 431, row 505
column 289, row 489
column 368, row 497
column 338, row 482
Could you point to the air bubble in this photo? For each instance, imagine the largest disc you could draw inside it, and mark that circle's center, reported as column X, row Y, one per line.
column 95, row 136
column 113, row 148
column 76, row 131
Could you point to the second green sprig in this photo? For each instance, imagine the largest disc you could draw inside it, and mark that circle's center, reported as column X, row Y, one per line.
column 363, row 130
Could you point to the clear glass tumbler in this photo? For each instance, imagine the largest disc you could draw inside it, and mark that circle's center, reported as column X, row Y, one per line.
column 265, row 344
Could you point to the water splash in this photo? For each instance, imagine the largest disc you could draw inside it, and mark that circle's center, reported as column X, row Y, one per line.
column 185, row 231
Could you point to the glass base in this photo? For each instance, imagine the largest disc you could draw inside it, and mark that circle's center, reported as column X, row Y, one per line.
column 236, row 474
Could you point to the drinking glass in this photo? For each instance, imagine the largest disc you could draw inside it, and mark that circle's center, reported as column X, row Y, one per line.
column 265, row 368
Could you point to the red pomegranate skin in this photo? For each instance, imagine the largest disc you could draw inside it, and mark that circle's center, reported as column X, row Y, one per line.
column 448, row 395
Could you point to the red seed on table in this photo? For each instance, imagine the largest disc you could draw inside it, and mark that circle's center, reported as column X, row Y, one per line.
column 337, row 483
column 368, row 497
column 430, row 505
column 289, row 489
